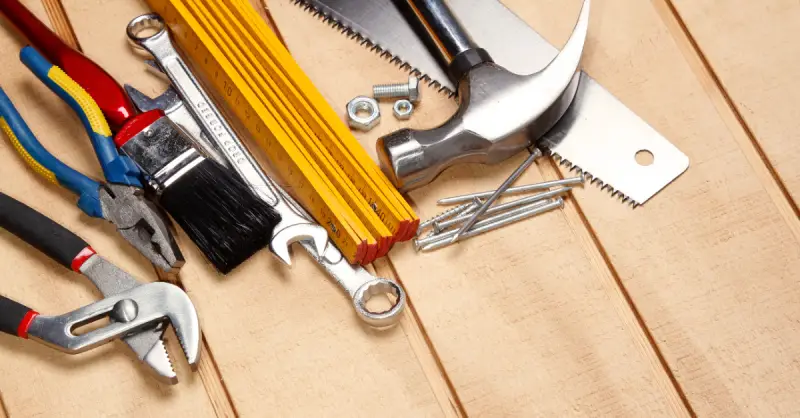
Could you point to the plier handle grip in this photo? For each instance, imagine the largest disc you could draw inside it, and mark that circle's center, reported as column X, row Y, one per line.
column 137, row 311
column 120, row 199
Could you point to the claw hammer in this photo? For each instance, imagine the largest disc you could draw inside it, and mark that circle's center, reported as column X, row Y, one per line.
column 499, row 112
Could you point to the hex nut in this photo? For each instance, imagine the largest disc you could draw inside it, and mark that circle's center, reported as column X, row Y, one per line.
column 403, row 109
column 363, row 104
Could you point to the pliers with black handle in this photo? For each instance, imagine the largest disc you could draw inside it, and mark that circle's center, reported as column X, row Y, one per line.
column 138, row 312
column 121, row 199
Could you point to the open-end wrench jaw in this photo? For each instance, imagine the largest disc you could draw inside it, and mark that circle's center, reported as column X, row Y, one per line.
column 499, row 114
column 308, row 232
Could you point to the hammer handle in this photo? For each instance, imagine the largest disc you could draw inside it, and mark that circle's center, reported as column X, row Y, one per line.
column 446, row 37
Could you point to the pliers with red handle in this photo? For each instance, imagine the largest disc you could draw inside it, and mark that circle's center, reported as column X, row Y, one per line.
column 109, row 95
column 138, row 312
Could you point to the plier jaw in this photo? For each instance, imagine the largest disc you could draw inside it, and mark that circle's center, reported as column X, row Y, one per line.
column 138, row 312
column 142, row 224
column 120, row 199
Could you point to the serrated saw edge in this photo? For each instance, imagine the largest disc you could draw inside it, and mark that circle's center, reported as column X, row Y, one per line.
column 598, row 135
column 371, row 45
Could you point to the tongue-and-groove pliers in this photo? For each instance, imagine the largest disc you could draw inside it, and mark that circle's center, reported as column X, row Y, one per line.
column 121, row 198
column 138, row 312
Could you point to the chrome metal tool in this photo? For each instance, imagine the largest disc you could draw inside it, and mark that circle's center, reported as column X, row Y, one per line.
column 138, row 312
column 359, row 284
column 292, row 227
column 597, row 135
column 498, row 110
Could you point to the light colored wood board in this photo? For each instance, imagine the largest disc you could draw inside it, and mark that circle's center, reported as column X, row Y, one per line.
column 283, row 340
column 753, row 49
column 38, row 380
column 711, row 262
column 525, row 321
column 418, row 338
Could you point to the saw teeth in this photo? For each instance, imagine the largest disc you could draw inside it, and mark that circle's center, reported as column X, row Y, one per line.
column 591, row 179
column 372, row 46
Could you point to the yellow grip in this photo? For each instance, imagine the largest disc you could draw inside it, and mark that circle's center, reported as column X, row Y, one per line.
column 87, row 104
column 38, row 168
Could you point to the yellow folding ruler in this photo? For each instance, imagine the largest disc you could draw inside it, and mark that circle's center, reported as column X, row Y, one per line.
column 310, row 147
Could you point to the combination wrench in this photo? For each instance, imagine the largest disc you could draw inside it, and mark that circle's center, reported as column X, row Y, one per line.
column 296, row 225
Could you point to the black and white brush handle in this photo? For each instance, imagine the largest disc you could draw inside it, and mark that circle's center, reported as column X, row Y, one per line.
column 47, row 236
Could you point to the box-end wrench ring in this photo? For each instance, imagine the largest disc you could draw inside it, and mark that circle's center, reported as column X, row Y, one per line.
column 362, row 286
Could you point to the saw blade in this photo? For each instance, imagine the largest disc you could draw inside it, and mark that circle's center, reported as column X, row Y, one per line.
column 598, row 136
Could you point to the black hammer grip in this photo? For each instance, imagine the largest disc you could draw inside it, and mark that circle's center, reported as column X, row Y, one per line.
column 41, row 232
column 14, row 317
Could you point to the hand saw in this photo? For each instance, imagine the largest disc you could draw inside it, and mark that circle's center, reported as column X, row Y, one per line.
column 598, row 136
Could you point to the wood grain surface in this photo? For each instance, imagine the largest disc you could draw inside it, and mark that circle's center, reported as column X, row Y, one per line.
column 753, row 49
column 687, row 305
column 38, row 381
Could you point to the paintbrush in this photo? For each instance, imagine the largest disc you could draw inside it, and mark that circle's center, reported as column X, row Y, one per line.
column 219, row 212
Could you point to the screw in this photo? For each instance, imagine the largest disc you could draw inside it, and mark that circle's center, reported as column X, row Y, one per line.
column 448, row 213
column 408, row 91
column 574, row 181
column 499, row 221
column 440, row 226
column 535, row 153
column 419, row 243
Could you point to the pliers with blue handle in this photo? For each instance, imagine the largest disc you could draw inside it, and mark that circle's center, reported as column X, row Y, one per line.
column 120, row 199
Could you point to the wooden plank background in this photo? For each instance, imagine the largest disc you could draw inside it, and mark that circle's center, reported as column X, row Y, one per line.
column 687, row 305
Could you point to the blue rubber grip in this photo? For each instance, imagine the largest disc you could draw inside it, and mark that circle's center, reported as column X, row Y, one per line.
column 116, row 168
column 30, row 147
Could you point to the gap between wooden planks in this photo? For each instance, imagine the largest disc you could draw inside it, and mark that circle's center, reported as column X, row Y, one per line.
column 3, row 410
column 207, row 368
column 652, row 264
column 285, row 317
column 440, row 383
column 428, row 117
column 726, row 235
column 753, row 50
column 744, row 135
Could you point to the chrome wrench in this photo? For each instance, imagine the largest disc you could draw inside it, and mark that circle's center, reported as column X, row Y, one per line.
column 296, row 225
column 292, row 228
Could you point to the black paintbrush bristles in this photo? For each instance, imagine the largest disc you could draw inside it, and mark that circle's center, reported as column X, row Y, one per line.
column 223, row 217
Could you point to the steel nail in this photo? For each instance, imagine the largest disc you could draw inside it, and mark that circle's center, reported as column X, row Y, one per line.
column 535, row 153
column 572, row 181
column 499, row 221
column 448, row 214
column 442, row 225
column 421, row 242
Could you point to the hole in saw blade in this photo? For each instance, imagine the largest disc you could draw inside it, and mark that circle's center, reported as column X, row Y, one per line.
column 644, row 158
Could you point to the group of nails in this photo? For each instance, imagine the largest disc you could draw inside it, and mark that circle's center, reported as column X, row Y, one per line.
column 477, row 213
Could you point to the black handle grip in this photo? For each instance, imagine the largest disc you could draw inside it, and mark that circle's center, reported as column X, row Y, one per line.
column 40, row 231
column 12, row 315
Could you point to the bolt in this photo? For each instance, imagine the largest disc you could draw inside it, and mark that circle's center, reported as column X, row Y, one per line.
column 448, row 214
column 498, row 221
column 440, row 226
column 408, row 91
column 574, row 181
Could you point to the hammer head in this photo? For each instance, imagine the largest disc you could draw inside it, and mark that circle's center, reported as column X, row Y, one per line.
column 499, row 114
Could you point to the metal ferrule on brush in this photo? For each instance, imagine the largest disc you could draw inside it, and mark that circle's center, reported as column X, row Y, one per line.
column 163, row 151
